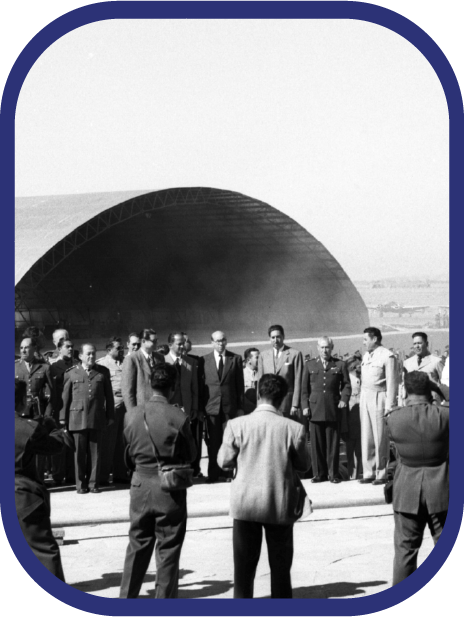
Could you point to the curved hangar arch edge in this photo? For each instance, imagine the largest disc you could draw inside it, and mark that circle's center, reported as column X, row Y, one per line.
column 196, row 259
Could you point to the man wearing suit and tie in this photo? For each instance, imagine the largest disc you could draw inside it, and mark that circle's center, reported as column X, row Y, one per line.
column 186, row 394
column 137, row 369
column 286, row 362
column 223, row 396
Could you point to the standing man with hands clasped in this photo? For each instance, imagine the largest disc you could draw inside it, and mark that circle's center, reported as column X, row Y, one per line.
column 325, row 392
column 286, row 362
column 88, row 408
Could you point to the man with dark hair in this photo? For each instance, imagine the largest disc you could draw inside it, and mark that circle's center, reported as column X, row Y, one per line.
column 286, row 362
column 223, row 395
column 267, row 450
column 36, row 373
column 133, row 343
column 35, row 438
column 158, row 434
column 58, row 336
column 325, row 392
column 112, row 450
column 137, row 370
column 88, row 408
column 379, row 391
column 423, row 360
column 250, row 378
column 420, row 431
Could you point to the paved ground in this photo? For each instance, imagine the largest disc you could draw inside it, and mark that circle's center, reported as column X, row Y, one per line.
column 345, row 549
column 339, row 553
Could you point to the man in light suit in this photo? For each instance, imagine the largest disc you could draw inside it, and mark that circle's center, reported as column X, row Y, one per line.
column 423, row 360
column 421, row 482
column 267, row 450
column 223, row 396
column 186, row 393
column 137, row 370
column 288, row 363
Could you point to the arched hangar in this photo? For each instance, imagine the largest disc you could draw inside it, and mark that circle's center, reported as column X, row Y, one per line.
column 198, row 259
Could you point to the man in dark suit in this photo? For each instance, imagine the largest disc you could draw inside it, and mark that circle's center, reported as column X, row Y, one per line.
column 88, row 408
column 62, row 463
column 158, row 434
column 325, row 392
column 420, row 431
column 186, row 394
column 286, row 362
column 223, row 396
column 137, row 370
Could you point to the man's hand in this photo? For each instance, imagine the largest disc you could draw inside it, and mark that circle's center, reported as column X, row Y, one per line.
column 341, row 404
column 294, row 411
column 306, row 412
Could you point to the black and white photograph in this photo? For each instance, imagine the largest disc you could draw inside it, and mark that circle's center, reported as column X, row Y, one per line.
column 232, row 309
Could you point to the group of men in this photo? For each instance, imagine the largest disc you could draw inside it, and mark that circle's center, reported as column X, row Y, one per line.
column 90, row 398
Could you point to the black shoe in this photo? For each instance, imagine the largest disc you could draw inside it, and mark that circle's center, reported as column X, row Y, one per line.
column 336, row 480
column 105, row 483
column 211, row 481
column 82, row 491
column 319, row 479
column 95, row 490
column 366, row 480
column 378, row 482
column 198, row 474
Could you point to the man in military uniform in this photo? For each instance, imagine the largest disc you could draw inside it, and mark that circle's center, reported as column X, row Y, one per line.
column 325, row 392
column 112, row 459
column 156, row 515
column 88, row 408
column 62, row 464
column 36, row 374
column 32, row 438
column 423, row 360
column 421, row 482
column 379, row 388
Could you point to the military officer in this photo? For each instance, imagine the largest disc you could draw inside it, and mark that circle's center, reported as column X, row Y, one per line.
column 88, row 408
column 32, row 438
column 424, row 361
column 379, row 388
column 325, row 391
column 36, row 374
column 58, row 335
column 62, row 464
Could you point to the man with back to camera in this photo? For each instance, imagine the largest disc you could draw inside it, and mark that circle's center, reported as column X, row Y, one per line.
column 420, row 431
column 34, row 438
column 88, row 408
column 223, row 395
column 423, row 360
column 286, row 362
column 379, row 387
column 137, row 370
column 267, row 450
column 186, row 394
column 325, row 392
column 156, row 514
column 112, row 451
column 133, row 343
column 250, row 378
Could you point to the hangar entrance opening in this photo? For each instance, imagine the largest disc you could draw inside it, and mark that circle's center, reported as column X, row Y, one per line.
column 195, row 259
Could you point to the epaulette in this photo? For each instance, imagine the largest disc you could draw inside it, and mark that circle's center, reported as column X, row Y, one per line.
column 70, row 368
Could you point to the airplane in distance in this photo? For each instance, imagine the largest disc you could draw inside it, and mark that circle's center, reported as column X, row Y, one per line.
column 399, row 309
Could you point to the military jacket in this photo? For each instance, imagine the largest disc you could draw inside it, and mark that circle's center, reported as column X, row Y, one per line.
column 40, row 386
column 323, row 388
column 57, row 372
column 88, row 401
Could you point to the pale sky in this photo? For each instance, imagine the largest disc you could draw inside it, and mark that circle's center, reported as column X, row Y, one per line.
column 342, row 125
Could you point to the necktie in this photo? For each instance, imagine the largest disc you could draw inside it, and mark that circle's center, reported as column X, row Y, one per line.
column 178, row 366
column 150, row 361
column 419, row 360
column 221, row 366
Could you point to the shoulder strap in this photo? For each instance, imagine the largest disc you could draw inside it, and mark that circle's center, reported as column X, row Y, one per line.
column 155, row 452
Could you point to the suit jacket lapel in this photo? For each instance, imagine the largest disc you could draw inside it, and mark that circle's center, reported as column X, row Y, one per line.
column 227, row 365
column 144, row 362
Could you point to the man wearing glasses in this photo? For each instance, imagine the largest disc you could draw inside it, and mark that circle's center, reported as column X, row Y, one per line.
column 223, row 396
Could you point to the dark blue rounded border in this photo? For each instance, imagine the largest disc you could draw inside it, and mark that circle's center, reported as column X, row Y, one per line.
column 227, row 10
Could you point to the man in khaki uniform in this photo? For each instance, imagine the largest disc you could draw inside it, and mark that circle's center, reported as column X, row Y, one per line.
column 379, row 387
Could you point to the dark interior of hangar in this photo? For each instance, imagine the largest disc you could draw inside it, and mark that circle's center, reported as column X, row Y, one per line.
column 196, row 260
